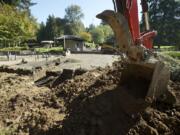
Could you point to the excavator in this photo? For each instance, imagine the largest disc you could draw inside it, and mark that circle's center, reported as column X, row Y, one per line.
column 144, row 77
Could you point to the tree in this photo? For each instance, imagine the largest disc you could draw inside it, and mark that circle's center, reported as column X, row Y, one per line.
column 51, row 28
column 165, row 18
column 71, row 24
column 74, row 28
column 20, row 4
column 73, row 13
column 41, row 32
column 54, row 27
column 101, row 33
column 16, row 25
column 86, row 36
column 60, row 23
column 10, row 2
column 107, row 32
column 90, row 28
column 73, row 18
column 97, row 35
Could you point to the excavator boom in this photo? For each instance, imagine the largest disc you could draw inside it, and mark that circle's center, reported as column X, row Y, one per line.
column 129, row 8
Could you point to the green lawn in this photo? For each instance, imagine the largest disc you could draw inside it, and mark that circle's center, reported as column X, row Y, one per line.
column 45, row 50
column 174, row 54
column 13, row 49
column 166, row 47
column 39, row 50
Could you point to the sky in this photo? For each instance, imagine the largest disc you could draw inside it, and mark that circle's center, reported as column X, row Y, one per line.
column 90, row 8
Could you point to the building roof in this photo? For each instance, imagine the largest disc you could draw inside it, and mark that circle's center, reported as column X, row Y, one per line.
column 70, row 37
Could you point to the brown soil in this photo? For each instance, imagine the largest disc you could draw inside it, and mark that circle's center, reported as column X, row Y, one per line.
column 25, row 108
column 93, row 103
column 101, row 107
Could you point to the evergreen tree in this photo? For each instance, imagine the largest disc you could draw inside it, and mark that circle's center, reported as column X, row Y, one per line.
column 51, row 28
column 41, row 32
column 60, row 23
column 165, row 18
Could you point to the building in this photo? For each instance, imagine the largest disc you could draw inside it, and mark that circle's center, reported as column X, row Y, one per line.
column 71, row 42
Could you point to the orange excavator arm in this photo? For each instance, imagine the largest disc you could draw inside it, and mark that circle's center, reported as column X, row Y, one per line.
column 129, row 8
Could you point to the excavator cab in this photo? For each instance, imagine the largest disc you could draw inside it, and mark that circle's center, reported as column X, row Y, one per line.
column 144, row 78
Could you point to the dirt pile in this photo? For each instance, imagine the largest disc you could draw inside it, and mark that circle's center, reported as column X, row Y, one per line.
column 91, row 103
column 26, row 108
column 17, row 71
column 94, row 105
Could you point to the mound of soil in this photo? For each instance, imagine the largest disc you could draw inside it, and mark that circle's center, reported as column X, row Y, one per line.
column 92, row 103
column 95, row 105
column 26, row 108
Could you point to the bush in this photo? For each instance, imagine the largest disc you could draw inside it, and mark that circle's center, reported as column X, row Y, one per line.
column 91, row 45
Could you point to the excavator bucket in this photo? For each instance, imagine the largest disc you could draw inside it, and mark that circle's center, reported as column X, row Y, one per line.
column 141, row 82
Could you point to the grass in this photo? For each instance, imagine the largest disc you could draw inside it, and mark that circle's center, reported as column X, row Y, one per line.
column 174, row 54
column 13, row 49
column 166, row 47
column 38, row 50
column 46, row 50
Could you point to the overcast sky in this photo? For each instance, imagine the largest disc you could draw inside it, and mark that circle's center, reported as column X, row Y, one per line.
column 90, row 9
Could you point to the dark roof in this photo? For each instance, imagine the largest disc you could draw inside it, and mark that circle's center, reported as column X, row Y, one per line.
column 69, row 37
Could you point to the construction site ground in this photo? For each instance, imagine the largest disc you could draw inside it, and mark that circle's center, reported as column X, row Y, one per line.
column 88, row 61
column 83, row 103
